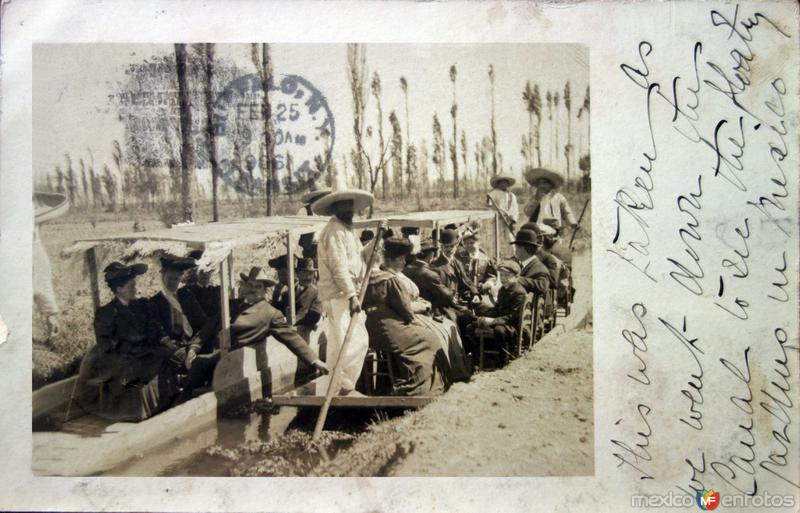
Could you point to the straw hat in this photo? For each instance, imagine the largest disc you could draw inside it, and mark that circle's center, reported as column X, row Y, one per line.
column 496, row 179
column 257, row 274
column 532, row 175
column 314, row 195
column 361, row 199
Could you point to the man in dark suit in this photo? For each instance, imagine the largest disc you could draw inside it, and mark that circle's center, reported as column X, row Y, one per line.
column 452, row 271
column 535, row 277
column 253, row 319
column 307, row 307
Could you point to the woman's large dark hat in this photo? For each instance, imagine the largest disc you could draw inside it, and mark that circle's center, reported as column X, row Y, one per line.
column 119, row 272
column 394, row 247
column 176, row 262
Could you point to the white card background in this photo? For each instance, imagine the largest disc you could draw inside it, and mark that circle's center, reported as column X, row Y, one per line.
column 642, row 444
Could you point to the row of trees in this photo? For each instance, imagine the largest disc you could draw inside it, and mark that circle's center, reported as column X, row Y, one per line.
column 450, row 154
column 387, row 159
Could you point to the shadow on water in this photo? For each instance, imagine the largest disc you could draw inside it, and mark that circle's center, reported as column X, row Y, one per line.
column 263, row 440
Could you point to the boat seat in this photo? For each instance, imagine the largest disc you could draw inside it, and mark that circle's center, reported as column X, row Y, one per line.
column 378, row 373
column 100, row 383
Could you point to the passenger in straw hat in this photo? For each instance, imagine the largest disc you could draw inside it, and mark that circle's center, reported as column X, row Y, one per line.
column 505, row 201
column 341, row 269
column 547, row 203
column 253, row 319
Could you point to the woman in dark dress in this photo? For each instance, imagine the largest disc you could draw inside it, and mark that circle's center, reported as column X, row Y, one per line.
column 394, row 328
column 131, row 372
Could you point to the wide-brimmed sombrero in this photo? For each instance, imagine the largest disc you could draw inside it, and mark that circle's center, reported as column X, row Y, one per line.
column 531, row 175
column 48, row 205
column 314, row 195
column 361, row 199
column 496, row 179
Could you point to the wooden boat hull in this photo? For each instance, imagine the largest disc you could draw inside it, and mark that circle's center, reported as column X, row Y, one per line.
column 49, row 205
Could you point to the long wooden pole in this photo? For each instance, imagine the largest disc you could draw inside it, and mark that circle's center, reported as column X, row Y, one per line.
column 575, row 230
column 323, row 414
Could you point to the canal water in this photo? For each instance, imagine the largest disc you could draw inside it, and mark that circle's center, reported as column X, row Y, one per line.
column 269, row 440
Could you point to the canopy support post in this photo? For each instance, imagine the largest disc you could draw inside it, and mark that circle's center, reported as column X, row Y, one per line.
column 291, row 276
column 224, row 305
column 91, row 263
column 496, row 236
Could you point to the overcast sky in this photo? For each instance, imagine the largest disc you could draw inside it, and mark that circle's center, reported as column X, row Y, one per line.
column 72, row 112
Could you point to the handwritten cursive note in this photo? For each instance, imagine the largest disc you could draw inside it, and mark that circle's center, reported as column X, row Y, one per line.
column 704, row 232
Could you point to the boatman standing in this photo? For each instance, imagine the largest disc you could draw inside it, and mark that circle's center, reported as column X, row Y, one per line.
column 505, row 202
column 341, row 269
column 548, row 205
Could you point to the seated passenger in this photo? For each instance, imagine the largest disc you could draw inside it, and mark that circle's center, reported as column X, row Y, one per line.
column 366, row 237
column 534, row 276
column 481, row 271
column 431, row 287
column 394, row 328
column 131, row 372
column 307, row 307
column 253, row 319
column 500, row 322
column 279, row 263
column 197, row 284
column 172, row 316
column 455, row 365
column 549, row 260
column 553, row 245
column 452, row 270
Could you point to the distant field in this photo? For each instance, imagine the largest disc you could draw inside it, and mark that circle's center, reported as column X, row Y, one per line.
column 60, row 358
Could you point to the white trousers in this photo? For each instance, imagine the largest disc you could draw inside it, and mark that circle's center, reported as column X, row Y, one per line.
column 338, row 314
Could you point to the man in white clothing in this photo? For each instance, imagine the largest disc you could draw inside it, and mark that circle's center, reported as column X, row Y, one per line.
column 341, row 270
column 505, row 203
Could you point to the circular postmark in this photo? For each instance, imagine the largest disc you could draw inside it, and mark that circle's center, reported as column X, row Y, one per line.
column 302, row 133
column 301, row 127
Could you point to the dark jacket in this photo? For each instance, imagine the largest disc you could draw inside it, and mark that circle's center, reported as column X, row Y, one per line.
column 307, row 306
column 552, row 263
column 431, row 287
column 455, row 277
column 252, row 324
column 508, row 307
column 206, row 297
column 478, row 270
column 161, row 310
column 128, row 329
column 535, row 277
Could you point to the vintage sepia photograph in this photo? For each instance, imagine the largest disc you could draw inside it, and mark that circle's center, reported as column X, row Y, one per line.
column 312, row 260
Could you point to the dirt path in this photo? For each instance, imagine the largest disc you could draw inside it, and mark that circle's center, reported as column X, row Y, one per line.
column 532, row 418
